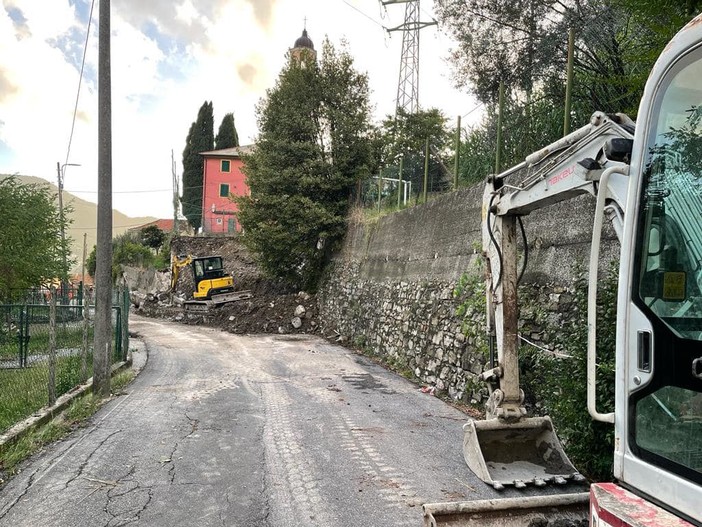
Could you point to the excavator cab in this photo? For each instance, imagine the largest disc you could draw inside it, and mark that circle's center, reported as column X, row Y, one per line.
column 210, row 278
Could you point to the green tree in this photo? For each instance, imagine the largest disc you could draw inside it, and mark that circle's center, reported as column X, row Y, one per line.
column 31, row 250
column 127, row 249
column 200, row 139
column 91, row 263
column 152, row 236
column 227, row 137
column 313, row 148
column 524, row 44
column 405, row 138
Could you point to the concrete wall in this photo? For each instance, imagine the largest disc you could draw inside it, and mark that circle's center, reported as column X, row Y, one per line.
column 390, row 289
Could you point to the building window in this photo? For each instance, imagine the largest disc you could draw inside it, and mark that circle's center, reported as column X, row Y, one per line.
column 225, row 165
column 223, row 190
column 219, row 221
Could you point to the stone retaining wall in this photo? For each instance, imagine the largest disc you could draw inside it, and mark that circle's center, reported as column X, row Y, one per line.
column 390, row 290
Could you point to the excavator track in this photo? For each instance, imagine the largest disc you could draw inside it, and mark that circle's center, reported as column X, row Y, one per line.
column 200, row 306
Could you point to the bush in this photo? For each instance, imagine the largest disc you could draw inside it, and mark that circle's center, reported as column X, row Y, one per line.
column 126, row 250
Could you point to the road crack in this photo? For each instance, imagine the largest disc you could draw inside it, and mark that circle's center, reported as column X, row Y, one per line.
column 24, row 492
column 81, row 467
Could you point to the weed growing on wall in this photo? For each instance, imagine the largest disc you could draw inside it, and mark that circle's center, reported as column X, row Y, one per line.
column 556, row 384
column 560, row 383
column 470, row 296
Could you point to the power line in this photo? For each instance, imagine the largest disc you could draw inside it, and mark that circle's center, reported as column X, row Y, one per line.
column 80, row 82
column 122, row 191
column 474, row 109
column 364, row 14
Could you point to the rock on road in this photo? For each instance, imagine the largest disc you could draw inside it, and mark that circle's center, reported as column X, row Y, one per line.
column 221, row 429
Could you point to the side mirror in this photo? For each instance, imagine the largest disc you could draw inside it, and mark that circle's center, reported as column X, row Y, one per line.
column 619, row 149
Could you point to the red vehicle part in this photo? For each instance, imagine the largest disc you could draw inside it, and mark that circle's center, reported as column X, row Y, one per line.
column 614, row 506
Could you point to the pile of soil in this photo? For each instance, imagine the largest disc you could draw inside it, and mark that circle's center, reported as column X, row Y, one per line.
column 273, row 308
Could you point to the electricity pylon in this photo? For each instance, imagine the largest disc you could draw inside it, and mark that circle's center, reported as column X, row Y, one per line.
column 408, row 83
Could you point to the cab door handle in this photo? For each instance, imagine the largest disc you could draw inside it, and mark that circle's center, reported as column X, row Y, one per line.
column 644, row 351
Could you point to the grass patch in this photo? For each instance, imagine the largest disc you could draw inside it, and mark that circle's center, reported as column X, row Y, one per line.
column 72, row 418
column 23, row 391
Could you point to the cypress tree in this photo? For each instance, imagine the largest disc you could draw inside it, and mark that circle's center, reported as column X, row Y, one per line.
column 227, row 136
column 200, row 139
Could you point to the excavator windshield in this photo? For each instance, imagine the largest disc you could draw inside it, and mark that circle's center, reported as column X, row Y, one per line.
column 671, row 281
column 667, row 419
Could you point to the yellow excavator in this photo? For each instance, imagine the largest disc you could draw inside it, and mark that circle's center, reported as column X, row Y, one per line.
column 213, row 287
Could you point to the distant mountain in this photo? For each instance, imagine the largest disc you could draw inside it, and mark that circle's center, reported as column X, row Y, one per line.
column 84, row 218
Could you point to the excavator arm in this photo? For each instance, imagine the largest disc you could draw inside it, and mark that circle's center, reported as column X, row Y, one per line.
column 509, row 448
column 592, row 160
column 177, row 263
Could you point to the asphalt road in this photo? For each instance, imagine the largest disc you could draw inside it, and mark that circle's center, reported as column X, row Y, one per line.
column 279, row 431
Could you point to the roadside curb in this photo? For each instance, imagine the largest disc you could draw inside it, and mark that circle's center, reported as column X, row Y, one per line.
column 45, row 414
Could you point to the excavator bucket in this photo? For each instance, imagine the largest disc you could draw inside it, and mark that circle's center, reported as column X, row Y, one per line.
column 517, row 453
column 567, row 510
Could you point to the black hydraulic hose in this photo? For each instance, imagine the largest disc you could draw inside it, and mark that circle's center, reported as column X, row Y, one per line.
column 526, row 248
column 494, row 241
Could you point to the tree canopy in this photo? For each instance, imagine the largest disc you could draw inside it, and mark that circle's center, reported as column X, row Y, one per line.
column 152, row 237
column 227, row 137
column 314, row 146
column 404, row 136
column 128, row 249
column 523, row 43
column 31, row 250
column 200, row 139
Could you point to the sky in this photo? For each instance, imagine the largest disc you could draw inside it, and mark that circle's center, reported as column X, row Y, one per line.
column 168, row 57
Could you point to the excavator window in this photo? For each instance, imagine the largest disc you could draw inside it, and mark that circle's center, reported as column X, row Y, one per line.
column 666, row 422
column 197, row 266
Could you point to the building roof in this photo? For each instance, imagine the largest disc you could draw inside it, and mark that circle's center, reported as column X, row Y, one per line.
column 165, row 225
column 236, row 151
column 304, row 41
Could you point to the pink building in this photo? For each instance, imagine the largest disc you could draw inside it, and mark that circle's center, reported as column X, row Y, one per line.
column 222, row 179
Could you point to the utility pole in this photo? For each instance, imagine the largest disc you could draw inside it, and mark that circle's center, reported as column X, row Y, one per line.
column 103, row 268
column 457, row 158
column 569, row 82
column 60, row 174
column 176, row 193
column 64, row 271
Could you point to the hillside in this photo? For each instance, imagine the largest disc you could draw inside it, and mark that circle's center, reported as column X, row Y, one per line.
column 84, row 218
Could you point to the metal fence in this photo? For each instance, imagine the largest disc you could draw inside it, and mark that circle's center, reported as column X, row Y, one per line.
column 46, row 347
column 414, row 180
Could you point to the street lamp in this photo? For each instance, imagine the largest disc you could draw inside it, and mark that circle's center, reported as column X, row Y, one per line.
column 61, row 172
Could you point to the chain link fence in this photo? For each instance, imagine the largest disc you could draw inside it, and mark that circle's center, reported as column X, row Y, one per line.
column 46, row 347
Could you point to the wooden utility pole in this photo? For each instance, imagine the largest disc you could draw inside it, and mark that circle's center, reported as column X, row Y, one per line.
column 456, row 160
column 426, row 171
column 498, row 154
column 103, row 269
column 399, row 182
column 569, row 82
column 176, row 194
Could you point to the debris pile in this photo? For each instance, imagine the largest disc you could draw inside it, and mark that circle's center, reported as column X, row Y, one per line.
column 274, row 308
